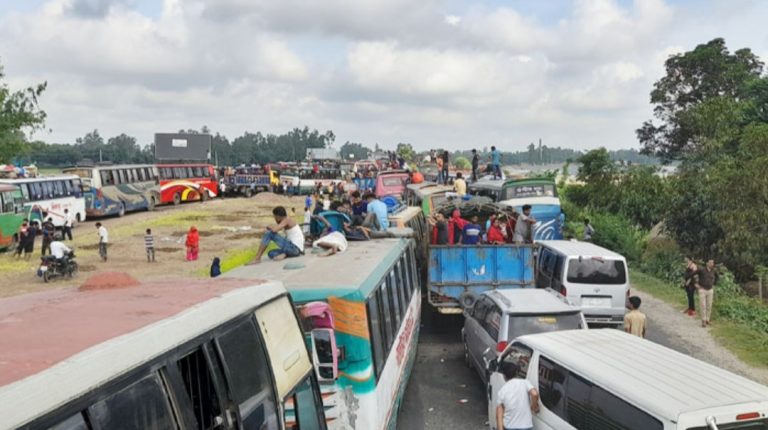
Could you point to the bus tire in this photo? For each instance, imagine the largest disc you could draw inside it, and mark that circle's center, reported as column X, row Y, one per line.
column 121, row 212
column 176, row 199
column 203, row 195
column 151, row 204
column 248, row 192
column 467, row 299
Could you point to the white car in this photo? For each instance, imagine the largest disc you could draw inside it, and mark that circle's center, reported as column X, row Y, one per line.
column 499, row 316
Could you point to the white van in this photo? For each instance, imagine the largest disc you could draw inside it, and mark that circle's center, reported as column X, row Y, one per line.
column 608, row 379
column 592, row 277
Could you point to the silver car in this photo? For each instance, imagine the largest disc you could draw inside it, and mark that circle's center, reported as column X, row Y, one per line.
column 499, row 316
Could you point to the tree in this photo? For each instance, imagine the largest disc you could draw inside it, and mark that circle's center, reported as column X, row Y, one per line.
column 596, row 167
column 708, row 72
column 406, row 151
column 462, row 163
column 19, row 112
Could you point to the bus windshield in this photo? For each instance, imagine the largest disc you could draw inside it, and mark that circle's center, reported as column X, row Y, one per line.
column 530, row 190
column 596, row 271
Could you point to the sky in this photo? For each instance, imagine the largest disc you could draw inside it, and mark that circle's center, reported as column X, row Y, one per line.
column 437, row 74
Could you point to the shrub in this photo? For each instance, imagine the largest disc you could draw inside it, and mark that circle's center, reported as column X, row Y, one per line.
column 663, row 259
column 617, row 233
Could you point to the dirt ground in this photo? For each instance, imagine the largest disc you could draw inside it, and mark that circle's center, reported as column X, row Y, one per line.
column 229, row 229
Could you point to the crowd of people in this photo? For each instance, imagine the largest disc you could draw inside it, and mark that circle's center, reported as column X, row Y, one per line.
column 498, row 229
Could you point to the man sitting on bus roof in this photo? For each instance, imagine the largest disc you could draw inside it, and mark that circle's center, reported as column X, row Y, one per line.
column 292, row 245
column 377, row 213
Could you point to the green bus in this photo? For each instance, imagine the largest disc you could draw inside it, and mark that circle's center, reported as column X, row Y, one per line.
column 11, row 215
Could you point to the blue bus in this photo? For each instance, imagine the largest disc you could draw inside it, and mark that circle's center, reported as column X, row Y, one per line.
column 361, row 313
column 541, row 194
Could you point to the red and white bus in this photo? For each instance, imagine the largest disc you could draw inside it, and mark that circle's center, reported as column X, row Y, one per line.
column 186, row 182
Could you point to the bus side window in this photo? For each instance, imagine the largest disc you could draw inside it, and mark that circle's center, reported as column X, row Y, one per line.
column 141, row 405
column 377, row 338
column 59, row 188
column 199, row 387
column 248, row 376
column 75, row 422
column 394, row 302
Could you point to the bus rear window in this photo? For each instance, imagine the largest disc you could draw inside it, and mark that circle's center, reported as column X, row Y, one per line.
column 393, row 182
column 596, row 271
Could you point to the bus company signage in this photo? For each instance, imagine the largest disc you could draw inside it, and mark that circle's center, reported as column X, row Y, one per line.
column 405, row 338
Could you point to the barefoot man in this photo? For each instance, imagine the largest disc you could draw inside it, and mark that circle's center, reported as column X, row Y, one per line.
column 290, row 245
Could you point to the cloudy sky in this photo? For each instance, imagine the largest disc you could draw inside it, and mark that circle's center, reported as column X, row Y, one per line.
column 453, row 74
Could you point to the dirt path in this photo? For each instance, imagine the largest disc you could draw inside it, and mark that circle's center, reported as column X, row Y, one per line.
column 229, row 229
column 672, row 328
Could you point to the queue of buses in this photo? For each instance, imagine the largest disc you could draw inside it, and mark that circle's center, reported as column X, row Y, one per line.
column 306, row 343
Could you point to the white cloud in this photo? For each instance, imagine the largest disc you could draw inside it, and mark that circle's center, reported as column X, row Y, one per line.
column 432, row 73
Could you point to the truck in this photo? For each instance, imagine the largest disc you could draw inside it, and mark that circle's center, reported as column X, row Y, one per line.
column 246, row 183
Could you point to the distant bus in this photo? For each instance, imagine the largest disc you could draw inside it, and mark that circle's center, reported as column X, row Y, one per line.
column 48, row 196
column 221, row 354
column 115, row 190
column 11, row 215
column 541, row 194
column 362, row 323
column 186, row 182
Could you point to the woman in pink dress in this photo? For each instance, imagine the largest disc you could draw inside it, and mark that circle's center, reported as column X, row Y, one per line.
column 193, row 244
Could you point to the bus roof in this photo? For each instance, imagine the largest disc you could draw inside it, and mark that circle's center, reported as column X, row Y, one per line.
column 38, row 179
column 578, row 248
column 428, row 188
column 108, row 166
column 77, row 340
column 653, row 377
column 406, row 214
column 310, row 277
column 486, row 184
column 542, row 180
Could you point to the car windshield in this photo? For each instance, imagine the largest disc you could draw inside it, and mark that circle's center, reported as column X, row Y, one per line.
column 596, row 271
column 520, row 325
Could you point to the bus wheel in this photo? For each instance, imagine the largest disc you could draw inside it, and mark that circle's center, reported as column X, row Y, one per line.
column 121, row 212
column 203, row 196
column 151, row 204
column 176, row 199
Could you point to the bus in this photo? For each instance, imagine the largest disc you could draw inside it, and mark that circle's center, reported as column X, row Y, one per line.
column 187, row 182
column 362, row 322
column 487, row 187
column 541, row 194
column 223, row 354
column 427, row 196
column 47, row 196
column 11, row 215
column 414, row 219
column 115, row 190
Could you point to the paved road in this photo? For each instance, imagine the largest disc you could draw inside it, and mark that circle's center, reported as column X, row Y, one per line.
column 440, row 379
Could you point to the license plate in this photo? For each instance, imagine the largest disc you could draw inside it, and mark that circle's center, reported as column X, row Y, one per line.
column 596, row 302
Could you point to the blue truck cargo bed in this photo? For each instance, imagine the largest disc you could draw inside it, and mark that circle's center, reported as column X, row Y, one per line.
column 458, row 274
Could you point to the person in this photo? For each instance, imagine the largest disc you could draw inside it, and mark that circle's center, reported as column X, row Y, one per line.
column 66, row 230
column 561, row 222
column 23, row 235
column 589, row 231
column 326, row 203
column 495, row 233
column 332, row 241
column 634, row 320
column 690, row 277
column 456, row 227
column 193, row 244
column 149, row 245
column 308, row 203
column 307, row 224
column 417, row 178
column 496, row 162
column 439, row 161
column 524, row 226
column 471, row 232
column 475, row 164
column 446, row 164
column 215, row 267
column 707, row 278
column 377, row 214
column 59, row 250
column 460, row 185
column 48, row 230
column 440, row 229
column 517, row 400
column 292, row 245
column 359, row 206
column 103, row 240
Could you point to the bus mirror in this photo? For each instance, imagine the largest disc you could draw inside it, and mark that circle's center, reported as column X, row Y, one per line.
column 325, row 355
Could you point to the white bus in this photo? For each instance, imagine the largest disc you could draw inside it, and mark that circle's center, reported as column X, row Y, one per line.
column 361, row 313
column 214, row 354
column 47, row 196
column 117, row 189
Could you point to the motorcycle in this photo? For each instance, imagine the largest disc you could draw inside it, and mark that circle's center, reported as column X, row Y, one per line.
column 50, row 268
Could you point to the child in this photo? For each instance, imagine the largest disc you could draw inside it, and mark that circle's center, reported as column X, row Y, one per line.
column 193, row 244
column 149, row 244
column 215, row 267
column 634, row 320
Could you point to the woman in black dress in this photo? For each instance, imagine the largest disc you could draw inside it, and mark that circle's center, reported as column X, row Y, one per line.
column 689, row 284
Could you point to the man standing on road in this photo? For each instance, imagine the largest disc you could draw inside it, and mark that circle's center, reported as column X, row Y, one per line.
column 517, row 401
column 524, row 226
column 475, row 165
column 707, row 279
column 103, row 240
column 67, row 229
column 634, row 320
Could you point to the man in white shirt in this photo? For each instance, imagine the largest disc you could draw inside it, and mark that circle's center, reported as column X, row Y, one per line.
column 517, row 401
column 68, row 221
column 524, row 226
column 59, row 250
column 103, row 240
